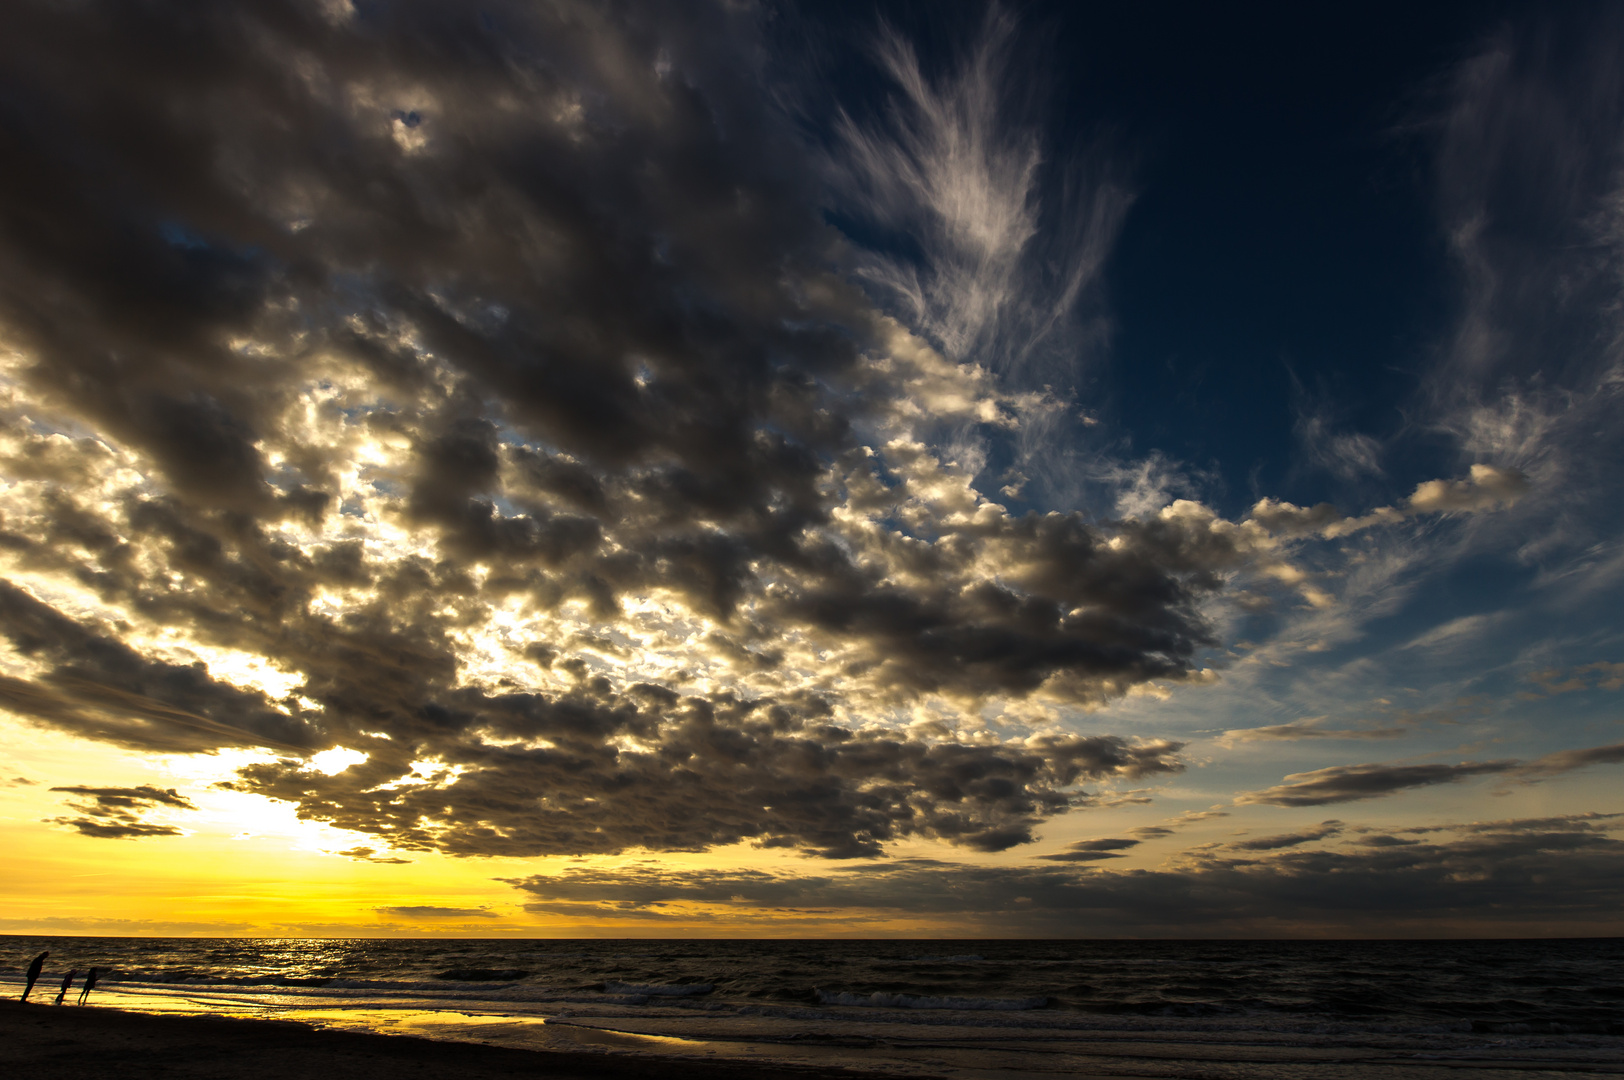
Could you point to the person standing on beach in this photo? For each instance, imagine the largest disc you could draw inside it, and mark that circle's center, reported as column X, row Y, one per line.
column 67, row 981
column 33, row 973
column 90, row 984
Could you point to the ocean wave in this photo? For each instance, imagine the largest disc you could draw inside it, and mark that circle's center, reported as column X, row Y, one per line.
column 483, row 975
column 1547, row 1027
column 881, row 1000
column 658, row 989
column 186, row 977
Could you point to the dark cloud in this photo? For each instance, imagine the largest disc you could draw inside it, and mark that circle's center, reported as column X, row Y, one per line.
column 1563, row 761
column 366, row 854
column 1091, row 850
column 1348, row 783
column 1592, row 821
column 1285, row 840
column 1383, row 840
column 1485, row 879
column 113, row 828
column 98, row 687
column 350, row 341
column 131, row 798
column 428, row 911
column 774, row 774
column 116, row 813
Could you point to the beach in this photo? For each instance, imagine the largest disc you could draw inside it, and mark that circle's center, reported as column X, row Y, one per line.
column 44, row 1042
column 955, row 1010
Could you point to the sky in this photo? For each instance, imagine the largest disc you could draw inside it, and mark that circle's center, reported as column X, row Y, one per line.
column 741, row 468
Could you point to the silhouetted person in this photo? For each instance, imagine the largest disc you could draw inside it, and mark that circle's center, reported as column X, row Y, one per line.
column 67, row 981
column 90, row 984
column 33, row 973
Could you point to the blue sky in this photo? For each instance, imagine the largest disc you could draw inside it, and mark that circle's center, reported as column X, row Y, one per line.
column 933, row 469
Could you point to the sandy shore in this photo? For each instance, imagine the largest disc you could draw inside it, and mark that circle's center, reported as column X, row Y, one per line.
column 44, row 1042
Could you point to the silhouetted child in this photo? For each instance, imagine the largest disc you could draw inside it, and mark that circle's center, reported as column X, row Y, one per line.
column 90, row 984
column 67, row 981
column 33, row 973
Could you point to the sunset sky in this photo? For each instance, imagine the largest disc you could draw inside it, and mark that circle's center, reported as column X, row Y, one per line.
column 568, row 468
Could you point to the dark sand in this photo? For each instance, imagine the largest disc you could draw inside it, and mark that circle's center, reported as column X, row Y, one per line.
column 44, row 1042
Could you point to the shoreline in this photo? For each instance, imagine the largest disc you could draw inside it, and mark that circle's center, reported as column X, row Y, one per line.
column 51, row 1041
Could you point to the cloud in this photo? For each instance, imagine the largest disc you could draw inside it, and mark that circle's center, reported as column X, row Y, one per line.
column 1487, row 877
column 957, row 166
column 1603, row 675
column 486, row 392
column 1350, row 783
column 1457, row 633
column 119, row 813
column 57, row 924
column 428, row 911
column 702, row 777
column 1305, row 729
column 1285, row 840
column 1091, row 850
column 1348, row 455
column 1189, row 817
column 1563, row 761
column 115, row 828
column 101, row 688
column 490, row 381
column 145, row 796
column 1487, row 487
column 366, row 854
column 1527, row 185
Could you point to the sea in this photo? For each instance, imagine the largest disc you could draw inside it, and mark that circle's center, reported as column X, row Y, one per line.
column 957, row 1009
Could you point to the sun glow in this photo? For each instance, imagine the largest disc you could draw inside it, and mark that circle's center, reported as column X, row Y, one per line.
column 334, row 761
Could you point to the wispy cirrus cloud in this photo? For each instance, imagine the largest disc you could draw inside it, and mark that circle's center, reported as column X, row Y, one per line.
column 1305, row 729
column 955, row 163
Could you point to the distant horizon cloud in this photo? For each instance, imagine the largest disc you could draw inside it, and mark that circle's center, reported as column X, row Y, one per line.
column 429, row 911
column 1454, row 885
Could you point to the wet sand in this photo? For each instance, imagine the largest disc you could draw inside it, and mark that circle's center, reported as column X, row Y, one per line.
column 45, row 1042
